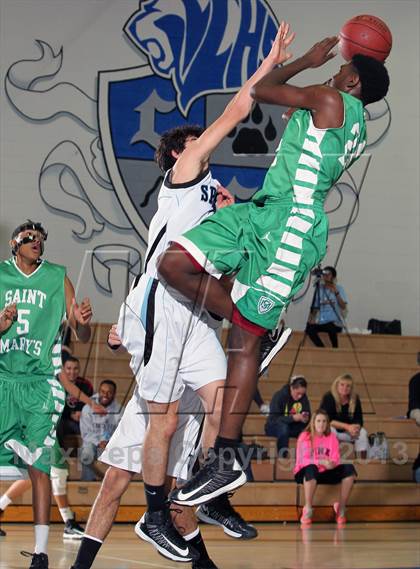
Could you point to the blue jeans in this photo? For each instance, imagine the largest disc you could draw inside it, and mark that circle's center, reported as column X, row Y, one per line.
column 283, row 431
column 88, row 455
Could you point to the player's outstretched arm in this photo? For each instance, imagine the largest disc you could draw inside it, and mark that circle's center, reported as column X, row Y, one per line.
column 194, row 159
column 322, row 99
column 79, row 316
column 74, row 391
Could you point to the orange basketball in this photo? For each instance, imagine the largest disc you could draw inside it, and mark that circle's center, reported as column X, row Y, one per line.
column 367, row 35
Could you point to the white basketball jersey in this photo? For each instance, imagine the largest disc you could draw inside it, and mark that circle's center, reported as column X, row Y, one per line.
column 180, row 208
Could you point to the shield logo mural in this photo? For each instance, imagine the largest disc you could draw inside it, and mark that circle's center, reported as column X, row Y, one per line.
column 189, row 79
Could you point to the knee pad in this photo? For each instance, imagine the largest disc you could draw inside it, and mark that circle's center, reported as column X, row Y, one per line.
column 59, row 481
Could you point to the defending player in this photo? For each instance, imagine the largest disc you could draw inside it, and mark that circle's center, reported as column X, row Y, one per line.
column 36, row 296
column 273, row 241
column 123, row 454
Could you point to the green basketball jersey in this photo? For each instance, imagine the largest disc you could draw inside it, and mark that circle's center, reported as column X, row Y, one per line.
column 310, row 160
column 31, row 347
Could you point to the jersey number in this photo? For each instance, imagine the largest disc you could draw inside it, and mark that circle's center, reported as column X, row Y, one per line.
column 23, row 328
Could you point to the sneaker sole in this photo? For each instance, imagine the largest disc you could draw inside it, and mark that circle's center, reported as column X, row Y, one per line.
column 202, row 517
column 208, row 497
column 76, row 536
column 159, row 549
column 285, row 337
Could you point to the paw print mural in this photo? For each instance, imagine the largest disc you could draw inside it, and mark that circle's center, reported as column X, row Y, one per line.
column 255, row 136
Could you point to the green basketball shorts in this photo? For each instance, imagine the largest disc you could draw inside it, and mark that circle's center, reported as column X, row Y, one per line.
column 30, row 409
column 272, row 247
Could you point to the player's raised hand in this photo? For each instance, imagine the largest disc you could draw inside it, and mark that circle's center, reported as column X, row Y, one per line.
column 321, row 52
column 7, row 316
column 279, row 50
column 82, row 312
column 224, row 197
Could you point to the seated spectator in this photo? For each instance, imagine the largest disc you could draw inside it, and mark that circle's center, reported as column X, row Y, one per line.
column 414, row 399
column 345, row 412
column 70, row 419
column 289, row 413
column 66, row 351
column 96, row 429
column 327, row 311
column 318, row 462
column 416, row 469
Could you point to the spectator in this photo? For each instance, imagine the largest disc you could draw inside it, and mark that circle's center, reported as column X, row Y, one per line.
column 345, row 412
column 318, row 462
column 330, row 303
column 416, row 469
column 414, row 398
column 289, row 413
column 70, row 420
column 66, row 351
column 97, row 429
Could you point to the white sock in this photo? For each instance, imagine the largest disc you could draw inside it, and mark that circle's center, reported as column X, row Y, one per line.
column 5, row 501
column 192, row 535
column 41, row 538
column 67, row 514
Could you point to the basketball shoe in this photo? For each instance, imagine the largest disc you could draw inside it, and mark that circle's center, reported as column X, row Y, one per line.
column 157, row 528
column 216, row 477
column 39, row 560
column 220, row 512
column 72, row 530
column 271, row 344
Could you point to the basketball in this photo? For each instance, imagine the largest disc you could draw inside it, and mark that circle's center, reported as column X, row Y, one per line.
column 367, row 35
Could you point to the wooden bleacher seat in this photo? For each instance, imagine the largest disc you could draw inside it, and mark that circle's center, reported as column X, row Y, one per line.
column 384, row 491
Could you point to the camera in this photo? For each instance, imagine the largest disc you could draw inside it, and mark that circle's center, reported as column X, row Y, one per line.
column 318, row 272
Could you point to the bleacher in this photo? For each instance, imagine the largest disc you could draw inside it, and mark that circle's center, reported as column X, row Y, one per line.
column 381, row 367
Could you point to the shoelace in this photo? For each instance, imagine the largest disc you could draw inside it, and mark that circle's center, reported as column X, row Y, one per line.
column 275, row 334
column 27, row 554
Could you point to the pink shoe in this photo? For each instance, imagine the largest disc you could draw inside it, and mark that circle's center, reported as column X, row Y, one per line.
column 306, row 517
column 338, row 518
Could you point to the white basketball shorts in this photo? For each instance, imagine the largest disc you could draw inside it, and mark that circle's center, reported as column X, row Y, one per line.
column 124, row 449
column 171, row 344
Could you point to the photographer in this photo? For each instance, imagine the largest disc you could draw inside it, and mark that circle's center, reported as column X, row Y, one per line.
column 330, row 302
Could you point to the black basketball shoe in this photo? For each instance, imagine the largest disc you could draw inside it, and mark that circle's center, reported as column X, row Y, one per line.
column 216, row 477
column 72, row 530
column 219, row 512
column 39, row 560
column 271, row 343
column 157, row 528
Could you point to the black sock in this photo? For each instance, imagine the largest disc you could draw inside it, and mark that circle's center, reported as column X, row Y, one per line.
column 155, row 497
column 88, row 550
column 227, row 450
column 222, row 444
column 198, row 544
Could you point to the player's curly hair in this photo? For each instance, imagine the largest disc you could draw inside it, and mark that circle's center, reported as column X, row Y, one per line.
column 174, row 139
column 374, row 78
